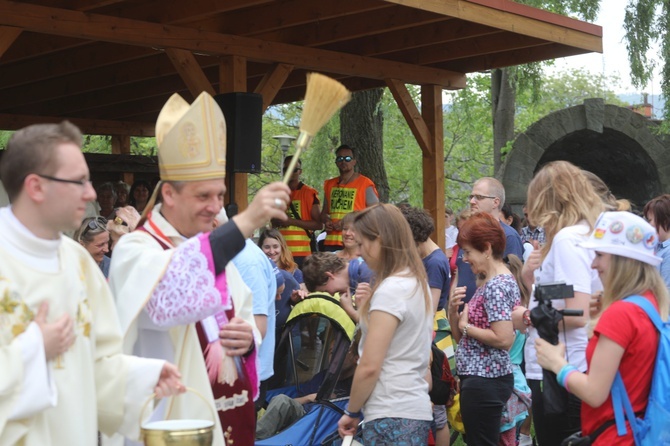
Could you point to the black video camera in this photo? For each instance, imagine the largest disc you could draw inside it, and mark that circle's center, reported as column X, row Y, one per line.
column 545, row 317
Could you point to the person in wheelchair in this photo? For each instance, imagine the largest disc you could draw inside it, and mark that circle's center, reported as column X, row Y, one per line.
column 284, row 410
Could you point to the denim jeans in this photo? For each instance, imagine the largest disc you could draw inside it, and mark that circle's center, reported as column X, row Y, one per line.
column 482, row 403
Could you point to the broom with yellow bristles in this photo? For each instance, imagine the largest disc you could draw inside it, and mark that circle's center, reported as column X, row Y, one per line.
column 324, row 96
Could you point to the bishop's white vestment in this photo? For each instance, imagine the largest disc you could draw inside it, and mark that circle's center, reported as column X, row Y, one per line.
column 163, row 285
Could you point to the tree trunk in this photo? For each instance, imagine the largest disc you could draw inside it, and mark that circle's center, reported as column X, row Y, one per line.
column 503, row 103
column 361, row 127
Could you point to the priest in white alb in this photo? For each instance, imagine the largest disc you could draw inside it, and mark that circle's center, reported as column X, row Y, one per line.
column 62, row 375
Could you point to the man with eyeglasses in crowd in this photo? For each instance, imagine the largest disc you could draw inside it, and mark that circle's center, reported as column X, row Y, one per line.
column 304, row 216
column 348, row 192
column 60, row 343
column 488, row 195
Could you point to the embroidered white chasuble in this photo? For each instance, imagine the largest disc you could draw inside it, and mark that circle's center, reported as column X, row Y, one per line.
column 90, row 387
column 139, row 267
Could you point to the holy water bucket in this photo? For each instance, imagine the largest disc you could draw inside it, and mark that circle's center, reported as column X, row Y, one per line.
column 178, row 432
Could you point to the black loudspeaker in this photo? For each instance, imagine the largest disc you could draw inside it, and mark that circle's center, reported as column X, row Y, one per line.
column 243, row 113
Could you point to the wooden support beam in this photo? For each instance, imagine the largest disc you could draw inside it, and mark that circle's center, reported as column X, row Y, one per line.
column 510, row 58
column 364, row 24
column 446, row 30
column 190, row 71
column 433, row 162
column 161, row 11
column 121, row 144
column 134, row 32
column 479, row 46
column 128, row 177
column 517, row 18
column 233, row 78
column 232, row 74
column 87, row 126
column 272, row 82
column 8, row 36
column 409, row 110
column 280, row 16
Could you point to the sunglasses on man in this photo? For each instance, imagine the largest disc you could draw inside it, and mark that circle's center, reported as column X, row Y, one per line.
column 347, row 159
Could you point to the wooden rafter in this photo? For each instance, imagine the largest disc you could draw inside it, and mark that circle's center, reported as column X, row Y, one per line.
column 88, row 126
column 276, row 16
column 433, row 163
column 478, row 46
column 512, row 20
column 69, row 61
column 506, row 58
column 161, row 11
column 412, row 115
column 126, row 31
column 444, row 31
column 88, row 81
column 360, row 25
column 272, row 82
column 190, row 71
column 8, row 36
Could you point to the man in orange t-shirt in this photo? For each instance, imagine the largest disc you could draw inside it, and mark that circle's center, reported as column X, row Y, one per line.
column 304, row 215
column 347, row 193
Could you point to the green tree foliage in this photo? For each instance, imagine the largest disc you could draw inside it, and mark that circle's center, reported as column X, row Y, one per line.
column 468, row 122
column 468, row 135
column 647, row 23
column 4, row 137
column 318, row 163
column 584, row 9
column 563, row 90
column 468, row 139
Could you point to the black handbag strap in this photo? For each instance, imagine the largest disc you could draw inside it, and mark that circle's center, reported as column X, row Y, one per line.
column 596, row 433
column 294, row 211
column 605, row 425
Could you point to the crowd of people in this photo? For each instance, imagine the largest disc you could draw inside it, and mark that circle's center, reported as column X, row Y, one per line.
column 159, row 288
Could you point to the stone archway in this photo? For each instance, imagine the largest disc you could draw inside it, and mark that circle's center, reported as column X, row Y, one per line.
column 613, row 142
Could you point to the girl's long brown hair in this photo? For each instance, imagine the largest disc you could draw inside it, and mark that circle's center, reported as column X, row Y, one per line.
column 398, row 254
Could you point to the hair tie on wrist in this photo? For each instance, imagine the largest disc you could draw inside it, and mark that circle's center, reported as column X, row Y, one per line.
column 358, row 414
column 564, row 374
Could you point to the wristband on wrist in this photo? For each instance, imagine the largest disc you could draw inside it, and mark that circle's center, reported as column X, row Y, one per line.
column 358, row 414
column 564, row 374
column 465, row 330
column 526, row 319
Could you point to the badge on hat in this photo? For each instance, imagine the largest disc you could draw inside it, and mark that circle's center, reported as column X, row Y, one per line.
column 634, row 234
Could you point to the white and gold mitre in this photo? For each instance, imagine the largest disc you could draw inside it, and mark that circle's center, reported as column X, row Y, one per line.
column 191, row 139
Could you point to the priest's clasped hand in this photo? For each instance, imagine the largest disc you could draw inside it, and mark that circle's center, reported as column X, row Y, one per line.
column 58, row 336
column 169, row 382
column 237, row 336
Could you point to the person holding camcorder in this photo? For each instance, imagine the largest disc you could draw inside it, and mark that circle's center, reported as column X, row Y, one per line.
column 563, row 202
column 624, row 339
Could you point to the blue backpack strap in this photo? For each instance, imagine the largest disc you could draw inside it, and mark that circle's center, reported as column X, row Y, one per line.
column 620, row 400
column 622, row 405
column 354, row 267
column 648, row 307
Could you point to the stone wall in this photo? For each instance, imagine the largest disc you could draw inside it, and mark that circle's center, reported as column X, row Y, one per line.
column 613, row 142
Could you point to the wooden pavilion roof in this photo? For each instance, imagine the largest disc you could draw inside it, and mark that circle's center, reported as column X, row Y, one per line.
column 109, row 65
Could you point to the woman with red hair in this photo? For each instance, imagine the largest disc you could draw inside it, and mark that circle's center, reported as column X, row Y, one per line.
column 485, row 332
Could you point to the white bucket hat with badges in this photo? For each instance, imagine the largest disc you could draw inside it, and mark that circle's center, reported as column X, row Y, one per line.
column 626, row 235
